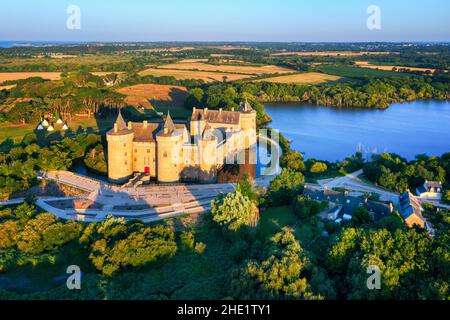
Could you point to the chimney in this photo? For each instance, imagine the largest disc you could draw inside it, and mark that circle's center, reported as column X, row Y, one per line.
column 116, row 128
column 232, row 109
column 129, row 125
column 205, row 111
column 145, row 124
column 220, row 110
column 193, row 110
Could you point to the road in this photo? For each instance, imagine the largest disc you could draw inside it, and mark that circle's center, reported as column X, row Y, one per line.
column 352, row 182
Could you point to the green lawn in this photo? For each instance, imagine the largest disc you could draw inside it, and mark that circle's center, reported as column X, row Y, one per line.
column 273, row 219
column 79, row 125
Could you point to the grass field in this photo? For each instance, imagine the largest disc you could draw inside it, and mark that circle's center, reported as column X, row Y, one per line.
column 331, row 53
column 187, row 74
column 275, row 218
column 17, row 132
column 303, row 78
column 365, row 64
column 357, row 72
column 89, row 60
column 241, row 69
column 11, row 76
column 155, row 96
column 7, row 87
column 8, row 76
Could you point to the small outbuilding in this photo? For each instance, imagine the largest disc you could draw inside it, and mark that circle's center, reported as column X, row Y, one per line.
column 431, row 190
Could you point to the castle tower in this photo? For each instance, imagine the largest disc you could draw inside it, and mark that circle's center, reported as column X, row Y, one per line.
column 120, row 151
column 208, row 156
column 248, row 124
column 168, row 153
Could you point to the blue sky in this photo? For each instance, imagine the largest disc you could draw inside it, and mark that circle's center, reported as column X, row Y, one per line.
column 227, row 20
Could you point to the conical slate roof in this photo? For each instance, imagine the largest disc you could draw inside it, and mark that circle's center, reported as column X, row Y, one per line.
column 169, row 126
column 121, row 124
column 245, row 107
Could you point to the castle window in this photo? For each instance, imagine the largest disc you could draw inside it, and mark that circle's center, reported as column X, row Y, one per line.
column 165, row 154
column 148, row 150
column 126, row 162
column 124, row 144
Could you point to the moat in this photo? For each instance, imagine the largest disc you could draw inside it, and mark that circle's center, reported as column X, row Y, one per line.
column 333, row 134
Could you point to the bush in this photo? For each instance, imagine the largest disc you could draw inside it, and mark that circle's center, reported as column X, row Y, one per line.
column 187, row 240
column 200, row 247
column 305, row 207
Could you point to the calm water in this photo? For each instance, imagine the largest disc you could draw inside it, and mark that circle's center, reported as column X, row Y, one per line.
column 332, row 134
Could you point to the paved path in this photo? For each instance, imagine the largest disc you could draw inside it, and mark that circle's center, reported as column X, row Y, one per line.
column 149, row 203
column 12, row 202
column 352, row 182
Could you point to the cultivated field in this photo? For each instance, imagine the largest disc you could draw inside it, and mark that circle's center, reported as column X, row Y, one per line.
column 154, row 95
column 365, row 64
column 241, row 69
column 7, row 87
column 199, row 75
column 8, row 76
column 330, row 53
column 303, row 78
column 11, row 76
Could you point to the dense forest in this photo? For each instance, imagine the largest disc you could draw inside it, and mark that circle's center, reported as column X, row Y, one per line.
column 374, row 93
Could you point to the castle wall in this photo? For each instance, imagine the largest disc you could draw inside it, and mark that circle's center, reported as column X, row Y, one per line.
column 144, row 156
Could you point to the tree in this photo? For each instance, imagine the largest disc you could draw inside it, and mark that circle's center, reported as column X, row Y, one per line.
column 293, row 161
column 284, row 187
column 318, row 167
column 361, row 217
column 305, row 207
column 234, row 212
column 117, row 245
column 282, row 275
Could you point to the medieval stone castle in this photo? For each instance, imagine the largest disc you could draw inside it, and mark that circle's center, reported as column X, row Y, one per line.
column 169, row 152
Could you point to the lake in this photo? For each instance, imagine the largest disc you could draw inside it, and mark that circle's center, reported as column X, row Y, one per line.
column 333, row 134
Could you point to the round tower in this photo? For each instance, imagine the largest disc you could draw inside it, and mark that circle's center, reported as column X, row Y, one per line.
column 248, row 124
column 168, row 143
column 208, row 157
column 120, row 151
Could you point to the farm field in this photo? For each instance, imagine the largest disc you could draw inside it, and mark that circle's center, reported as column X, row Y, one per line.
column 331, row 53
column 154, row 95
column 188, row 74
column 11, row 76
column 357, row 72
column 242, row 69
column 365, row 64
column 90, row 61
column 7, row 87
column 303, row 78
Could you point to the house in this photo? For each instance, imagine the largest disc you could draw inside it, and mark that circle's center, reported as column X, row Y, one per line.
column 431, row 190
column 411, row 210
column 345, row 204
